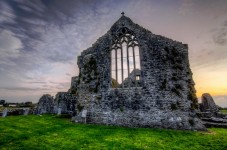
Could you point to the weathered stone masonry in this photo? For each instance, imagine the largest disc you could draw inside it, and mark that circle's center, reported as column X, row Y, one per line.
column 166, row 97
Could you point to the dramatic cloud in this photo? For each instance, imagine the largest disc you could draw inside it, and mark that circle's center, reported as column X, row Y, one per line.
column 186, row 7
column 220, row 36
column 10, row 45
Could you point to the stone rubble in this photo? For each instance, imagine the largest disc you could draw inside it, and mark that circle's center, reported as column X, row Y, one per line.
column 208, row 104
column 210, row 114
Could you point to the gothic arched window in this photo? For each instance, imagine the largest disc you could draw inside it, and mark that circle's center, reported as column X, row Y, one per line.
column 125, row 62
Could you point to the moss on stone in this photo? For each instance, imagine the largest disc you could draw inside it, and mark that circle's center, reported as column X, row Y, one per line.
column 80, row 107
column 74, row 91
column 173, row 106
column 175, row 52
column 191, row 122
column 121, row 108
column 114, row 83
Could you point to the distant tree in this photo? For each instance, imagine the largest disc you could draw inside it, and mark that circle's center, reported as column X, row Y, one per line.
column 28, row 104
column 219, row 107
column 2, row 102
column 6, row 104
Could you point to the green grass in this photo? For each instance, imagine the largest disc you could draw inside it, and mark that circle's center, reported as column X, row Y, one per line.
column 224, row 111
column 50, row 132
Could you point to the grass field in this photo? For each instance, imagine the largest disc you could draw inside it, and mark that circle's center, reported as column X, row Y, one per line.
column 224, row 111
column 50, row 132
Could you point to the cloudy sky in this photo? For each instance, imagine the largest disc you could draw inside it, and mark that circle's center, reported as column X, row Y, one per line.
column 41, row 39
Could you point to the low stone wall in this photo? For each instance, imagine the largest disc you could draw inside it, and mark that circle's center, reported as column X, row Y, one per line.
column 17, row 111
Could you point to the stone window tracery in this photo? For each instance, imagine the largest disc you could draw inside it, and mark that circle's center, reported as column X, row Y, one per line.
column 125, row 62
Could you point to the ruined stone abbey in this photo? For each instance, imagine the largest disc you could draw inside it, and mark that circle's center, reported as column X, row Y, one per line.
column 132, row 77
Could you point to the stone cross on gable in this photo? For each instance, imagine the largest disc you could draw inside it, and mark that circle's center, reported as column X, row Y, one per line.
column 123, row 13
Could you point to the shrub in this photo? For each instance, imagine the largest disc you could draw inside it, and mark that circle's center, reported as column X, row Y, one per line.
column 121, row 108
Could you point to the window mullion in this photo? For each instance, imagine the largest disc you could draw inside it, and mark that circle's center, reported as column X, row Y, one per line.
column 116, row 64
column 134, row 65
column 128, row 66
column 122, row 71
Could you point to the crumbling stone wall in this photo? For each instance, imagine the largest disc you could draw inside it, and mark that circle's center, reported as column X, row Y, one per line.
column 166, row 97
column 208, row 104
column 210, row 114
column 74, row 84
column 45, row 104
column 65, row 103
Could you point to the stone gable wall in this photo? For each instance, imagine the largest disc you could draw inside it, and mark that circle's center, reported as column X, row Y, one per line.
column 166, row 98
